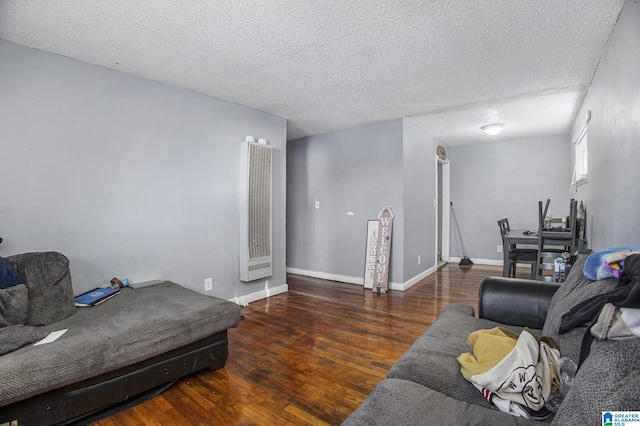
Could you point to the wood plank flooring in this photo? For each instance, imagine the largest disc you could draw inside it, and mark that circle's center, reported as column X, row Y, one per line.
column 309, row 356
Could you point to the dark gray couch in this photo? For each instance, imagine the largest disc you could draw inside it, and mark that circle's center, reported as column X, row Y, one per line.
column 425, row 386
column 123, row 351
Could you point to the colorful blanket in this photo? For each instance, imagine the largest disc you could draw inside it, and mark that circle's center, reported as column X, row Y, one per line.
column 607, row 263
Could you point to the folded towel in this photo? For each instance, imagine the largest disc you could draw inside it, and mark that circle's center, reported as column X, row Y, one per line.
column 616, row 323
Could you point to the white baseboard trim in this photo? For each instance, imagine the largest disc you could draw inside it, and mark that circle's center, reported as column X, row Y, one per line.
column 327, row 276
column 359, row 280
column 273, row 291
column 259, row 295
column 489, row 262
column 415, row 280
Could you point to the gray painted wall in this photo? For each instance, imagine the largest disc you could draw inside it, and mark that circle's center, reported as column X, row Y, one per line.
column 357, row 170
column 127, row 177
column 612, row 195
column 419, row 193
column 361, row 170
column 491, row 181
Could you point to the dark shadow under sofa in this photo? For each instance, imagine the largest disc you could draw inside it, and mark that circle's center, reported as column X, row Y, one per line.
column 112, row 356
column 425, row 386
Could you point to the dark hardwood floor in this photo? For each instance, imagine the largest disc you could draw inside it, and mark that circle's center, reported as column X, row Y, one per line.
column 309, row 356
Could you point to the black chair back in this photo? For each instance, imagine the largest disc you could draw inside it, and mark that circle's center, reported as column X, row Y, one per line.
column 504, row 226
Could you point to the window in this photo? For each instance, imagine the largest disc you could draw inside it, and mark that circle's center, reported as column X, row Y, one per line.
column 581, row 168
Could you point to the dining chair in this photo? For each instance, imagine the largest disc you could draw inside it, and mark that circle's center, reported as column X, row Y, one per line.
column 572, row 224
column 553, row 242
column 517, row 255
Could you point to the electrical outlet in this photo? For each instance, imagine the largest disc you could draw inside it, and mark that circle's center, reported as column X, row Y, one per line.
column 419, row 259
column 499, row 249
column 208, row 284
column 317, row 204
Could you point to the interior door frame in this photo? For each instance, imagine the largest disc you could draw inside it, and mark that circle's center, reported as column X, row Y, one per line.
column 445, row 226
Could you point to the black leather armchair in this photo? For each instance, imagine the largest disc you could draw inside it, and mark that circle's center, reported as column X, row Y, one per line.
column 515, row 301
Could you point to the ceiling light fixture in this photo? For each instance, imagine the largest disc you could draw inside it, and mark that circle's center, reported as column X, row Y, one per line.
column 492, row 129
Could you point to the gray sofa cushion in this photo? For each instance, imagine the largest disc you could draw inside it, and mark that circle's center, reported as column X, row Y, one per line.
column 576, row 289
column 402, row 402
column 608, row 380
column 49, row 282
column 131, row 327
column 14, row 305
column 14, row 334
column 17, row 336
column 432, row 359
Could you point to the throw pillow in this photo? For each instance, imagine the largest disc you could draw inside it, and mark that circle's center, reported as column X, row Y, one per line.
column 8, row 275
column 14, row 305
column 17, row 336
column 47, row 277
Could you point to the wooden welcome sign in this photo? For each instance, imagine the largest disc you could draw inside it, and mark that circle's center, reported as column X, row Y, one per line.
column 372, row 252
column 383, row 254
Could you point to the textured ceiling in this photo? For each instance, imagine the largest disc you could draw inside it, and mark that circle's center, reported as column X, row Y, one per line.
column 449, row 66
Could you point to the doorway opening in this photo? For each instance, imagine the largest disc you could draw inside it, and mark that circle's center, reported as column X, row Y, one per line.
column 443, row 211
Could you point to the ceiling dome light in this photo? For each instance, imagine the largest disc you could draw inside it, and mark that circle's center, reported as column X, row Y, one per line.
column 492, row 129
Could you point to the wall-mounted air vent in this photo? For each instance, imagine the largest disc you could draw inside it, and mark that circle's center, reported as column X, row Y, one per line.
column 255, row 211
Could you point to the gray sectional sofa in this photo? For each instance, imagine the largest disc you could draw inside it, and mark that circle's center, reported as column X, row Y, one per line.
column 112, row 356
column 425, row 386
